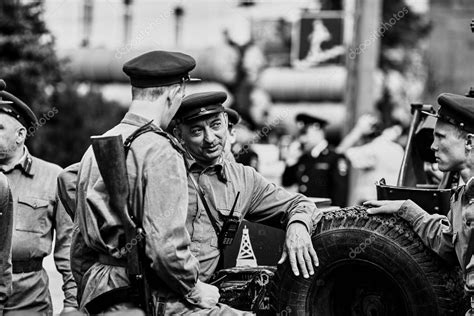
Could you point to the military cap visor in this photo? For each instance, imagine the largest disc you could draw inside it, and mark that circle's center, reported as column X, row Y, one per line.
column 199, row 105
column 234, row 117
column 457, row 110
column 307, row 120
column 3, row 86
column 17, row 109
column 159, row 68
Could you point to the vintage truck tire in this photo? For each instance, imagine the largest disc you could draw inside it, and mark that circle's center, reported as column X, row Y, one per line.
column 370, row 265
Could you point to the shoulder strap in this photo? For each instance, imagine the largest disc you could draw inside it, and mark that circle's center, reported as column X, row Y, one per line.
column 202, row 197
column 148, row 127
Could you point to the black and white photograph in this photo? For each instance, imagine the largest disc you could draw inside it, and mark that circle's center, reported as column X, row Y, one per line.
column 237, row 157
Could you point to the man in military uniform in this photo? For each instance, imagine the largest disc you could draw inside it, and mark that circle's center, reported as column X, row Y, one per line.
column 6, row 226
column 449, row 236
column 38, row 215
column 319, row 171
column 157, row 188
column 214, row 185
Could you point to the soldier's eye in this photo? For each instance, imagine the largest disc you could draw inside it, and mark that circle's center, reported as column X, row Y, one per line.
column 196, row 131
column 216, row 125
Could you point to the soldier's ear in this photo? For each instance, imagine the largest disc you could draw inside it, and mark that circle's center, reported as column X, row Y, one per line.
column 21, row 135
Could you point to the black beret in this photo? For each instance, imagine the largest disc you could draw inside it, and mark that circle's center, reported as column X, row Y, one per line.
column 234, row 117
column 159, row 68
column 16, row 108
column 200, row 104
column 457, row 110
column 307, row 119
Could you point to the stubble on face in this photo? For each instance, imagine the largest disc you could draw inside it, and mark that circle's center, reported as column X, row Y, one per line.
column 205, row 138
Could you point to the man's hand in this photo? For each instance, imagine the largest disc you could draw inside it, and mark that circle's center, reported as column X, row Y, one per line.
column 203, row 295
column 383, row 206
column 299, row 248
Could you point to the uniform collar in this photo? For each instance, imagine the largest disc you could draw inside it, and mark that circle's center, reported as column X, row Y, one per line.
column 24, row 164
column 218, row 168
column 136, row 120
column 319, row 148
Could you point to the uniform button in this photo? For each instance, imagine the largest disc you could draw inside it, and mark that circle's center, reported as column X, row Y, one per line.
column 303, row 188
column 35, row 205
column 304, row 178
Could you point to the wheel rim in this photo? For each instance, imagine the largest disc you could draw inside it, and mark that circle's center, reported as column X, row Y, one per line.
column 357, row 288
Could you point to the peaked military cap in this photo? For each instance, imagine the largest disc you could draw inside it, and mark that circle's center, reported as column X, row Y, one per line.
column 234, row 117
column 16, row 108
column 202, row 104
column 159, row 68
column 457, row 110
column 307, row 119
column 3, row 86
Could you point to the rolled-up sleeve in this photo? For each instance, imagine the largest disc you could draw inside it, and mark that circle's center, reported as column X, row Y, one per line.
column 274, row 206
column 64, row 227
column 435, row 230
column 165, row 205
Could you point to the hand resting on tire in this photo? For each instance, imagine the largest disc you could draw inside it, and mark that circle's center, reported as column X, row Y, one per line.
column 383, row 206
column 299, row 248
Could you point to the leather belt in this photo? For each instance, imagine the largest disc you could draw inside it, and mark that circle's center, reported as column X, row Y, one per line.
column 25, row 266
column 112, row 261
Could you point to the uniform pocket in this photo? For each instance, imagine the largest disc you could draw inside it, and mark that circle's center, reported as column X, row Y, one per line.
column 32, row 215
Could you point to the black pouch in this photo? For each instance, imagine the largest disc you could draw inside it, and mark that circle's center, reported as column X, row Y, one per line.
column 228, row 231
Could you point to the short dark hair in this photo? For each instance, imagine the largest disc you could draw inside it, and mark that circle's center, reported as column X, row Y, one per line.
column 150, row 94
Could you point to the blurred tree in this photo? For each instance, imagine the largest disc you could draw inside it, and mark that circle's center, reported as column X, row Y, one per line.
column 33, row 73
column 28, row 61
column 74, row 117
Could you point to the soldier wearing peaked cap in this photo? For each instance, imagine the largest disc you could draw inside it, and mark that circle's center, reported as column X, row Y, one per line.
column 202, row 128
column 157, row 202
column 319, row 171
column 449, row 236
column 39, row 215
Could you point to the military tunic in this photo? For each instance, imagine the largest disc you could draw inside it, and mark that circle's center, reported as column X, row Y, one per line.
column 320, row 173
column 449, row 236
column 158, row 186
column 259, row 201
column 37, row 213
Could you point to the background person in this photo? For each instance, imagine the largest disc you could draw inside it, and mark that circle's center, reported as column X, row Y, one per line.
column 317, row 170
column 38, row 216
column 373, row 155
